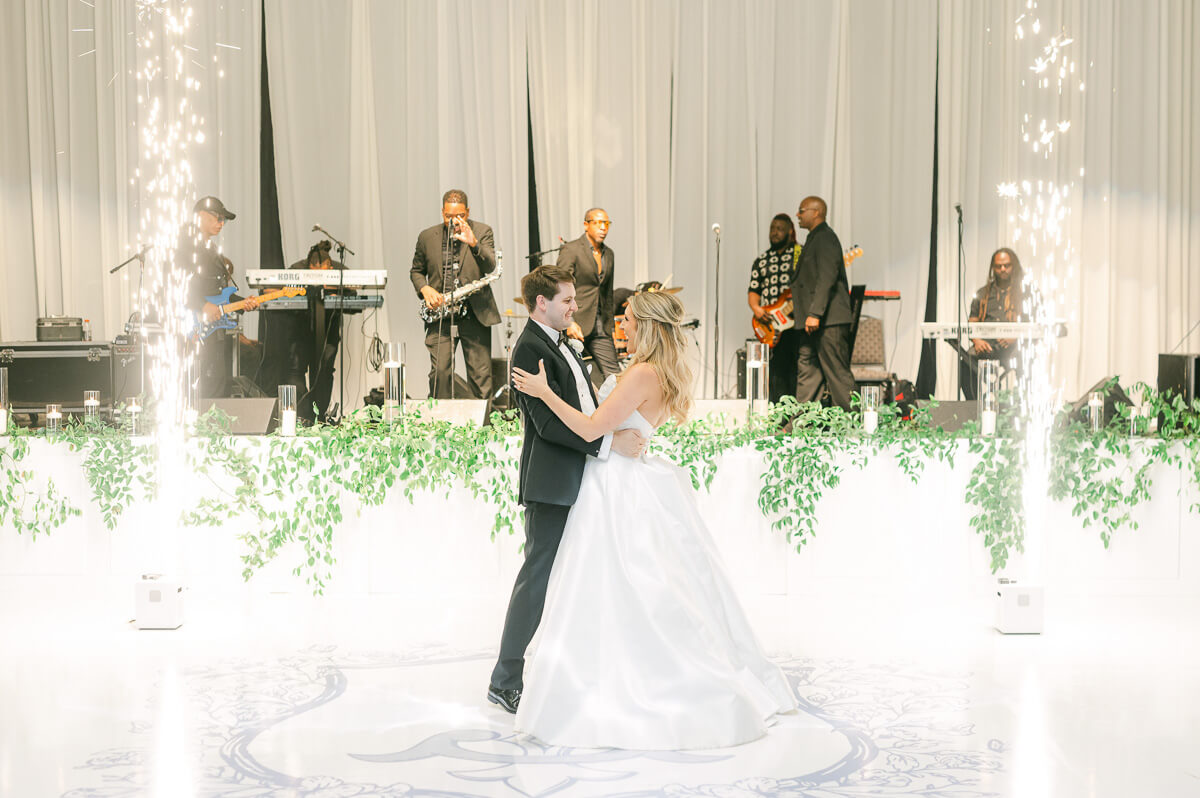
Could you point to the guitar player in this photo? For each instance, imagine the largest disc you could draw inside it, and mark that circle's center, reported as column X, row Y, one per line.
column 211, row 272
column 770, row 275
column 469, row 244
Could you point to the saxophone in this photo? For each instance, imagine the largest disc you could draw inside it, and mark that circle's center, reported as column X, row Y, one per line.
column 454, row 298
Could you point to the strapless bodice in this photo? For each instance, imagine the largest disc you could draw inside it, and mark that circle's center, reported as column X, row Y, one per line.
column 635, row 420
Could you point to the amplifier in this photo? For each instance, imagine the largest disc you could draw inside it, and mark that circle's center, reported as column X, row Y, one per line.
column 1179, row 374
column 41, row 372
column 60, row 328
column 126, row 368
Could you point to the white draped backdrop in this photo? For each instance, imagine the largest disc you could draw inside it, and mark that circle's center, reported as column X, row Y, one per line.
column 672, row 115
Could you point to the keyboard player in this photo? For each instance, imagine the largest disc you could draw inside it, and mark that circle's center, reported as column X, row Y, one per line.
column 1001, row 299
column 302, row 345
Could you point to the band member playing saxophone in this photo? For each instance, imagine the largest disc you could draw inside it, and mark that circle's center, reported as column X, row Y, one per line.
column 458, row 251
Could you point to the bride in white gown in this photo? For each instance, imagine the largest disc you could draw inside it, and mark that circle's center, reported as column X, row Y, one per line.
column 642, row 643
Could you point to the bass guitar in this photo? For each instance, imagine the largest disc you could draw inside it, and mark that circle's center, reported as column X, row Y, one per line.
column 226, row 321
column 780, row 312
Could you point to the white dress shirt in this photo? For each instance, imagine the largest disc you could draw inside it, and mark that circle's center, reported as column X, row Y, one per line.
column 586, row 404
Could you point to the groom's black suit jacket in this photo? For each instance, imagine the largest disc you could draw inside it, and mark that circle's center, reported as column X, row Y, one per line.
column 552, row 457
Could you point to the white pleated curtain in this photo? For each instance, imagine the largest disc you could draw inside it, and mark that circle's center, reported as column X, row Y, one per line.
column 378, row 109
column 1129, row 157
column 69, row 190
column 672, row 115
column 678, row 116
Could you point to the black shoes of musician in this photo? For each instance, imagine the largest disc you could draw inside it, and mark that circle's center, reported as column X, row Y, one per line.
column 507, row 699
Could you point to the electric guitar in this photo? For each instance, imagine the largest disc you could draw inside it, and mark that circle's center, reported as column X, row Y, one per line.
column 225, row 321
column 779, row 312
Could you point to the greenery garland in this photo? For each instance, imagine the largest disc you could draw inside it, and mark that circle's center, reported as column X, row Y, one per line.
column 293, row 491
column 22, row 505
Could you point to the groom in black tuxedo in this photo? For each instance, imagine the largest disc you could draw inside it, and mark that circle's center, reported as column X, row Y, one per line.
column 552, row 461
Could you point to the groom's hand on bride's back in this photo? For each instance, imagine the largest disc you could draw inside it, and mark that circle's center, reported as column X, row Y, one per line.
column 629, row 443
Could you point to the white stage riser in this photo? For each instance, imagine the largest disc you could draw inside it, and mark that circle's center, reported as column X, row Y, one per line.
column 878, row 535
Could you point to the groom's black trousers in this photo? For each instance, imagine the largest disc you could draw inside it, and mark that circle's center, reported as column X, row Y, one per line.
column 544, row 525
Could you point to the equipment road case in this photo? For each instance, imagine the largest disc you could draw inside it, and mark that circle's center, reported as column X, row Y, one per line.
column 41, row 372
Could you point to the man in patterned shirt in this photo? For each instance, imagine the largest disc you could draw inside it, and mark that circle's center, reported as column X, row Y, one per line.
column 770, row 276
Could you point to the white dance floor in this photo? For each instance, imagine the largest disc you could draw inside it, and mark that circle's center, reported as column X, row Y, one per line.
column 882, row 624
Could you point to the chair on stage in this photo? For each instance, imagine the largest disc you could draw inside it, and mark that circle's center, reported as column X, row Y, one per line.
column 868, row 361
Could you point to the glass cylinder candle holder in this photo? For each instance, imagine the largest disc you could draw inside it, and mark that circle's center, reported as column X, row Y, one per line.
column 133, row 416
column 287, row 410
column 191, row 404
column 871, row 396
column 758, row 376
column 989, row 395
column 1139, row 420
column 393, row 383
column 3, row 400
column 1096, row 410
column 91, row 408
column 54, row 418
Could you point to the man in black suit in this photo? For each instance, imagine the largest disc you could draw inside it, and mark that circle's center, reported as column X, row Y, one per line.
column 592, row 264
column 552, row 461
column 458, row 251
column 821, row 300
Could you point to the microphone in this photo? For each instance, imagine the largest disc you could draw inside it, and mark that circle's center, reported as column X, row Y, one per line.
column 341, row 245
column 717, row 229
column 958, row 207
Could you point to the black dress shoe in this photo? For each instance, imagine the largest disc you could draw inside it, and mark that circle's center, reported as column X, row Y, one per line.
column 507, row 699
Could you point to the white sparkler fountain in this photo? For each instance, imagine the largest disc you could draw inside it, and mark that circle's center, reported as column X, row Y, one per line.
column 1040, row 226
column 169, row 125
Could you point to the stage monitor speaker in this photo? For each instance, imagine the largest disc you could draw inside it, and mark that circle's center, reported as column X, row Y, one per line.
column 950, row 416
column 1112, row 397
column 247, row 416
column 245, row 388
column 1179, row 374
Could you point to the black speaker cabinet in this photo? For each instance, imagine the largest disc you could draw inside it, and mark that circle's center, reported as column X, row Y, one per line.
column 741, row 373
column 1179, row 374
column 44, row 372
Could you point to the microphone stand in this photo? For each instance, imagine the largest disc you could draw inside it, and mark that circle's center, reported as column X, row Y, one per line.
column 717, row 320
column 538, row 255
column 343, row 250
column 449, row 284
column 961, row 269
column 140, row 257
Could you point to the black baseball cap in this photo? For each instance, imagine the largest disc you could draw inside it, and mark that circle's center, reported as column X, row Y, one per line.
column 215, row 207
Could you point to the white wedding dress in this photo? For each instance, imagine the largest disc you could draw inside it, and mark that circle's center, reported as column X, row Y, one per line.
column 642, row 643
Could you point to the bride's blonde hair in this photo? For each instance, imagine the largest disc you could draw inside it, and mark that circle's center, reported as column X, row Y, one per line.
column 659, row 341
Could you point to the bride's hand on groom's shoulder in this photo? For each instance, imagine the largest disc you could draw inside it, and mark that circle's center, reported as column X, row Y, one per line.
column 531, row 384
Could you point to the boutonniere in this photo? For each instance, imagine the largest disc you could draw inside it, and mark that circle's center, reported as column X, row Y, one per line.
column 577, row 345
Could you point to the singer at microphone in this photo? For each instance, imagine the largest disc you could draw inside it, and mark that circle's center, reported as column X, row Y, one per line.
column 468, row 244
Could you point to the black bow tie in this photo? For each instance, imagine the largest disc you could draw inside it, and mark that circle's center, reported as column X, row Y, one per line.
column 562, row 338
